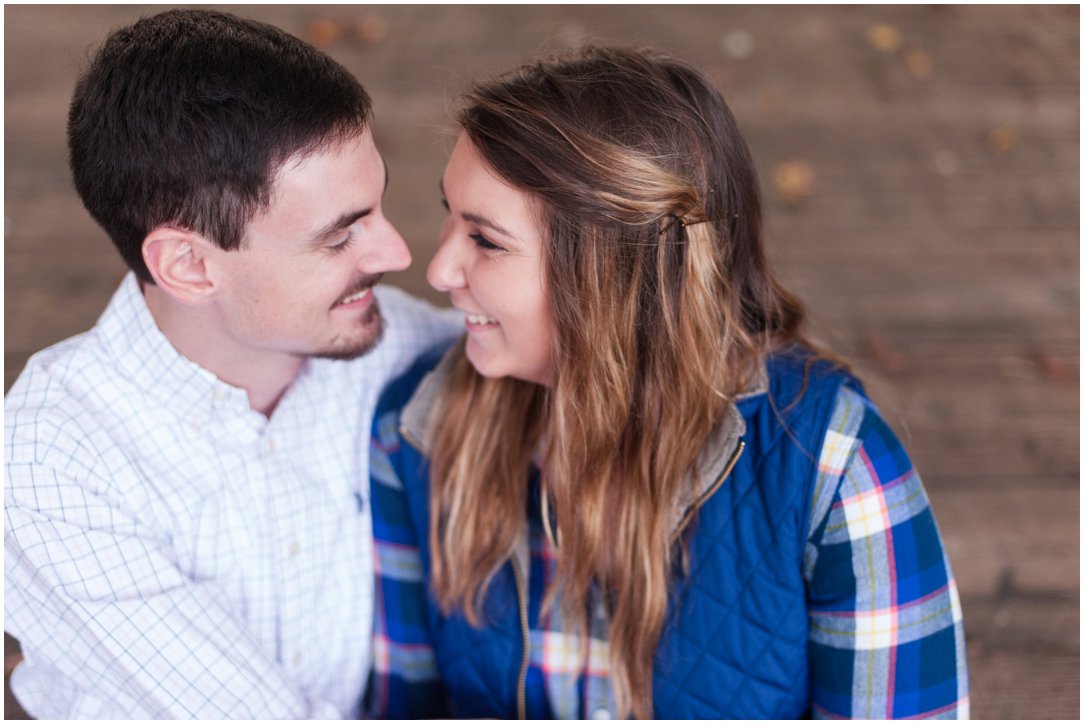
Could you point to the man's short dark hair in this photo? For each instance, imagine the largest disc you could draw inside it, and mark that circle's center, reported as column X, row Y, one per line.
column 185, row 118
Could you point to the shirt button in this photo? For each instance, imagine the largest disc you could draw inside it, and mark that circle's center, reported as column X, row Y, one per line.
column 270, row 444
column 600, row 714
column 293, row 549
column 297, row 659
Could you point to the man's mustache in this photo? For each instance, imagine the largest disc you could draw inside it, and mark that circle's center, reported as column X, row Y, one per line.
column 359, row 286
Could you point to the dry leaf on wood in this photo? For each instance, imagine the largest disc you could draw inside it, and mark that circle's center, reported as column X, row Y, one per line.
column 884, row 37
column 793, row 181
column 1054, row 367
column 323, row 32
column 372, row 29
column 918, row 63
column 1002, row 139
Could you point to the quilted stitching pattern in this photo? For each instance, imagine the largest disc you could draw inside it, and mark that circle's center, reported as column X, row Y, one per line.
column 738, row 639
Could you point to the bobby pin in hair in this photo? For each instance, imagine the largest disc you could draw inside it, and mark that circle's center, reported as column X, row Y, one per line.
column 682, row 223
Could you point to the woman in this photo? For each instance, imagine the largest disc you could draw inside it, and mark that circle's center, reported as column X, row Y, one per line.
column 635, row 488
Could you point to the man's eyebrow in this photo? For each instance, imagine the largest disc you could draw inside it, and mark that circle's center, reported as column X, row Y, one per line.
column 338, row 225
column 346, row 219
column 481, row 220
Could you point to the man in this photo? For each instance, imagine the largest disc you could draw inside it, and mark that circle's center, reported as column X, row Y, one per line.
column 187, row 531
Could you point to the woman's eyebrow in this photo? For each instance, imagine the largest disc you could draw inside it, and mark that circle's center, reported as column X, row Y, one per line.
column 481, row 220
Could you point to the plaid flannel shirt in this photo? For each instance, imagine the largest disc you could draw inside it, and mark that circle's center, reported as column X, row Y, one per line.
column 886, row 634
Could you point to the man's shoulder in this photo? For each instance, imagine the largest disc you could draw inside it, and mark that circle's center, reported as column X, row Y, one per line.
column 60, row 371
column 58, row 398
column 49, row 374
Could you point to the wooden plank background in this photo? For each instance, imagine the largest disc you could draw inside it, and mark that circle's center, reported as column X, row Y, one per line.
column 921, row 167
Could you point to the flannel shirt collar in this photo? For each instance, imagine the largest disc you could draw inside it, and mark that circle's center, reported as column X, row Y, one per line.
column 146, row 357
column 712, row 465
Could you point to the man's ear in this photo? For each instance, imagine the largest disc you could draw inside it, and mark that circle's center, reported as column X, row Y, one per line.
column 177, row 260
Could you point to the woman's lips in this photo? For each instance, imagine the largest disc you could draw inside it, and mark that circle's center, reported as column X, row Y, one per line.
column 479, row 322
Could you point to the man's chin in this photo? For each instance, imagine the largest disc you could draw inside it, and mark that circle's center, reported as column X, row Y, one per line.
column 373, row 323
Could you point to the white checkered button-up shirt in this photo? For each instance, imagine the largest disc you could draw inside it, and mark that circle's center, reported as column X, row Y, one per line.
column 169, row 552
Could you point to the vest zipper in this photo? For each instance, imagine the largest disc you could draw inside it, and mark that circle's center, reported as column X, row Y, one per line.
column 711, row 491
column 412, row 440
column 521, row 598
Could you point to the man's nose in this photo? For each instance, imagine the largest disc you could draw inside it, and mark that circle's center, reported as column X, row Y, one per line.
column 390, row 254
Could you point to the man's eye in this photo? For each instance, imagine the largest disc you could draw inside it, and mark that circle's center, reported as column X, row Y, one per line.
column 342, row 245
column 485, row 243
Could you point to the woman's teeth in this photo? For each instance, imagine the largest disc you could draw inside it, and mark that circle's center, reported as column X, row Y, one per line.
column 480, row 319
column 358, row 296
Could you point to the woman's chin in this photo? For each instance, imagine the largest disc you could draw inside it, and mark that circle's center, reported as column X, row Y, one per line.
column 482, row 362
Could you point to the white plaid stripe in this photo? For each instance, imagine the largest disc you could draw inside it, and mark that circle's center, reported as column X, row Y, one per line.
column 875, row 629
column 836, row 452
column 381, row 654
column 954, row 601
column 562, row 653
column 398, row 563
column 870, row 683
column 598, row 658
column 170, row 552
column 840, row 444
column 866, row 514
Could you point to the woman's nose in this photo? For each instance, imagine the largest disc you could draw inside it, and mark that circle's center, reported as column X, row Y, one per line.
column 445, row 271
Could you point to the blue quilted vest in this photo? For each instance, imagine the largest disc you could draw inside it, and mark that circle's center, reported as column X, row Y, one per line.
column 736, row 643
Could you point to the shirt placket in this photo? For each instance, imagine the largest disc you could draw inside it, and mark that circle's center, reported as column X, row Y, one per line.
column 598, row 695
column 290, row 559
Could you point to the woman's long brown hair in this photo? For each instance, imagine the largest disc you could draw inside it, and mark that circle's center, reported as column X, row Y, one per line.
column 664, row 309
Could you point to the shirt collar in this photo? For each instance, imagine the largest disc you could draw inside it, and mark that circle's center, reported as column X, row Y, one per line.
column 147, row 358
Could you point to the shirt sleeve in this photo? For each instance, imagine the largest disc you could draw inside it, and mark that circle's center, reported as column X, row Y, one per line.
column 109, row 625
column 886, row 632
column 405, row 681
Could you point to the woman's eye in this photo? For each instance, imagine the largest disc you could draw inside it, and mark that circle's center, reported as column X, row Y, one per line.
column 485, row 243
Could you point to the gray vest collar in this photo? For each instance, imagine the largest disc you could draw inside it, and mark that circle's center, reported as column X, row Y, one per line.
column 714, row 465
